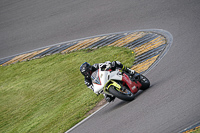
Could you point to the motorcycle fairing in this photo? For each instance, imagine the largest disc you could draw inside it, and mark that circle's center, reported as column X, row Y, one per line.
column 100, row 78
column 134, row 86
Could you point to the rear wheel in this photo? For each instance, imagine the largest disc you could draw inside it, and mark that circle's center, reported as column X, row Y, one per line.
column 145, row 82
column 124, row 94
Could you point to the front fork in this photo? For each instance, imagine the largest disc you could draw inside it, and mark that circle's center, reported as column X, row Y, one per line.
column 111, row 83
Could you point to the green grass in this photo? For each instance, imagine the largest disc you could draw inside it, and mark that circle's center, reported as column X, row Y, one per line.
column 194, row 130
column 49, row 94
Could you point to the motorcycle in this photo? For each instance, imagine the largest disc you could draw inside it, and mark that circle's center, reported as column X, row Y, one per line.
column 116, row 83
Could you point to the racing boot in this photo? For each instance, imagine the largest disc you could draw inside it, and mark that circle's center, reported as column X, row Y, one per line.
column 132, row 72
column 117, row 64
column 128, row 70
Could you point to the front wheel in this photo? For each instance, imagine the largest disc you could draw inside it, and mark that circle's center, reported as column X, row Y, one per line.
column 125, row 95
column 145, row 82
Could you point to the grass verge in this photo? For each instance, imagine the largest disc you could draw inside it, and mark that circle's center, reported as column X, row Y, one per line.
column 49, row 94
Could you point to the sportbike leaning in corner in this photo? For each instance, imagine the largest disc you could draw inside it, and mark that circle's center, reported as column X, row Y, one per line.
column 113, row 80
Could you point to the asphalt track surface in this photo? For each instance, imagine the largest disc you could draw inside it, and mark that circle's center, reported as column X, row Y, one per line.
column 171, row 104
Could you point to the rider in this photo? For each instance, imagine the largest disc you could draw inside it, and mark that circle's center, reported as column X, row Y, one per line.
column 87, row 70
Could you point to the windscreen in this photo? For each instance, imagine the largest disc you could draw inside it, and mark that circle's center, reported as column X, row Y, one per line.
column 95, row 77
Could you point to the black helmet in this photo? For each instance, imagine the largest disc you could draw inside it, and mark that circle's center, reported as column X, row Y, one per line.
column 86, row 69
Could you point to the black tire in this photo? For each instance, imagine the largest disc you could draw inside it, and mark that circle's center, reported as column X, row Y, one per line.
column 127, row 95
column 145, row 82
